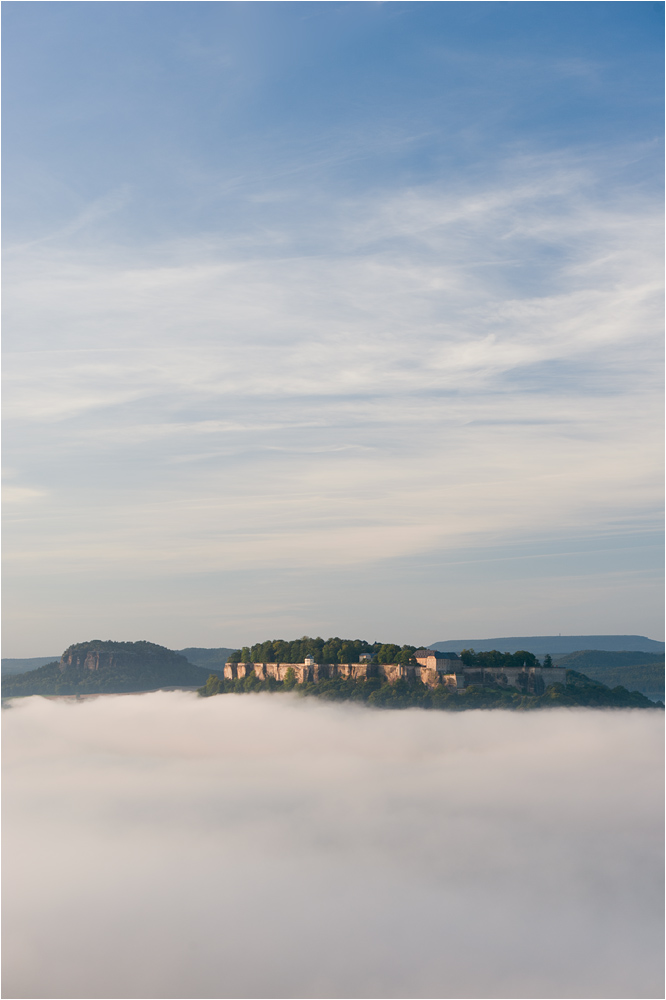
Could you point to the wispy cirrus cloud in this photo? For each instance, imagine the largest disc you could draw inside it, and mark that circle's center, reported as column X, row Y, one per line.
column 416, row 373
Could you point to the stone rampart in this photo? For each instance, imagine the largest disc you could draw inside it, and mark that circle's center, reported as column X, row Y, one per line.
column 452, row 673
column 528, row 680
column 304, row 671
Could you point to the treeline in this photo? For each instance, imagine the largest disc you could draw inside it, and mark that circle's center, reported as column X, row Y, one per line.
column 334, row 650
column 141, row 649
column 579, row 691
column 493, row 658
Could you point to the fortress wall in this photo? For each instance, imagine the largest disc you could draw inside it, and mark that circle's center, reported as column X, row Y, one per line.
column 531, row 680
column 304, row 672
column 352, row 671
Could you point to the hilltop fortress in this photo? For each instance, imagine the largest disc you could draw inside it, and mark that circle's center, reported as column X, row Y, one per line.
column 430, row 666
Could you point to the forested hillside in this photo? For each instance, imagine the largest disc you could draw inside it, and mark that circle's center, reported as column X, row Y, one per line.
column 636, row 670
column 20, row 665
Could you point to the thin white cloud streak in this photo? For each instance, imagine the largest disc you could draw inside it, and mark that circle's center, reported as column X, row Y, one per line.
column 427, row 263
column 266, row 847
column 349, row 384
column 99, row 209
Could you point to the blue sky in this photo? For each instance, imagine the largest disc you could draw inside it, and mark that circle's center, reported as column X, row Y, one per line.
column 331, row 318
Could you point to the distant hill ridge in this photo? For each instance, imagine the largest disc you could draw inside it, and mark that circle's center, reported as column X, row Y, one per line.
column 207, row 657
column 583, row 659
column 556, row 645
column 18, row 665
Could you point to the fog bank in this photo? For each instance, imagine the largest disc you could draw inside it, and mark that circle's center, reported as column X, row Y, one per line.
column 266, row 846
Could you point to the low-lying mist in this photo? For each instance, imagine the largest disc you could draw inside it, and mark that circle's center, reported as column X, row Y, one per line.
column 265, row 846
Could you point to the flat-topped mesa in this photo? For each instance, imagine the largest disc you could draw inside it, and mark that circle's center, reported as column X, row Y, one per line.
column 430, row 667
column 106, row 655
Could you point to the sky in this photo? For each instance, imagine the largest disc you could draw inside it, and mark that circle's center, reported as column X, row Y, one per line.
column 239, row 846
column 331, row 319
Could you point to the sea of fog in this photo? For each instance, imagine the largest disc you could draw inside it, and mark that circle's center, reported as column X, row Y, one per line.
column 268, row 846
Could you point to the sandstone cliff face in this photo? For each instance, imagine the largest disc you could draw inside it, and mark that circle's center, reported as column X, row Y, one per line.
column 94, row 659
column 99, row 659
column 323, row 671
column 453, row 674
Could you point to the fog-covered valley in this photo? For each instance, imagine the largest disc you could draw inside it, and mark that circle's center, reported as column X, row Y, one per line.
column 164, row 845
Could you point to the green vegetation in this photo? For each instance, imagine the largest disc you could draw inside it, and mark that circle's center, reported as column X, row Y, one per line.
column 579, row 690
column 123, row 667
column 43, row 680
column 334, row 650
column 642, row 672
column 11, row 665
column 289, row 679
column 493, row 658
